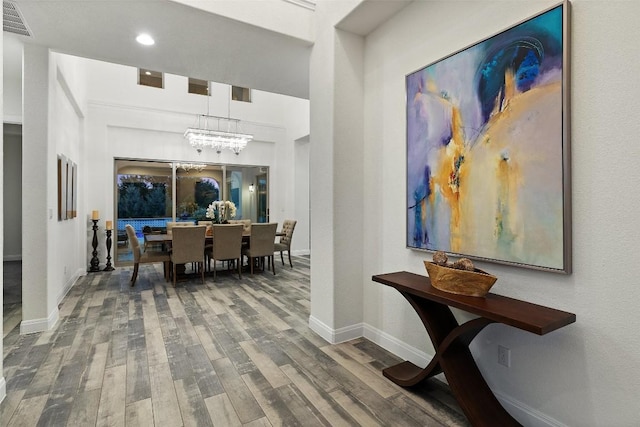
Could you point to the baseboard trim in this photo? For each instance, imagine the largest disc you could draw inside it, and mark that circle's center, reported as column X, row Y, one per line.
column 69, row 284
column 397, row 347
column 301, row 252
column 3, row 389
column 40, row 325
column 335, row 336
column 12, row 257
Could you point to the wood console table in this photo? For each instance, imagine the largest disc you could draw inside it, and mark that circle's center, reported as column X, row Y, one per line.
column 451, row 340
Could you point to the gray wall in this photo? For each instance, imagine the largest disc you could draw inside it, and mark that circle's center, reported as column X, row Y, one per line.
column 12, row 190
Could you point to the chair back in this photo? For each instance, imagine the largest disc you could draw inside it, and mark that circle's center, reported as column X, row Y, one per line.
column 263, row 236
column 134, row 243
column 227, row 241
column 187, row 244
column 246, row 224
column 287, row 228
column 173, row 224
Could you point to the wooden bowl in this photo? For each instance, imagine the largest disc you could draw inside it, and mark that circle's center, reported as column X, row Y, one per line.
column 462, row 282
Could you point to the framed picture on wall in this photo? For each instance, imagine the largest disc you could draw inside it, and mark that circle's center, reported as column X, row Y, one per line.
column 488, row 148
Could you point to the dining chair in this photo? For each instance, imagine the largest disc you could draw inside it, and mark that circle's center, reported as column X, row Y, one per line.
column 187, row 245
column 285, row 241
column 227, row 246
column 262, row 243
column 173, row 224
column 246, row 224
column 146, row 257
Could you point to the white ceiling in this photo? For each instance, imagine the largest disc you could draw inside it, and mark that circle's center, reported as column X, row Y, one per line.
column 189, row 42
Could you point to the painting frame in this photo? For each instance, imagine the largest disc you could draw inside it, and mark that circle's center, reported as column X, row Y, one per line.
column 488, row 148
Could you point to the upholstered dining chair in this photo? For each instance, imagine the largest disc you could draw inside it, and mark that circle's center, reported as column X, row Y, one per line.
column 227, row 246
column 173, row 224
column 262, row 243
column 246, row 224
column 285, row 241
column 146, row 257
column 187, row 245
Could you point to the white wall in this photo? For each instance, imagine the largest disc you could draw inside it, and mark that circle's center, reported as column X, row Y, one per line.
column 584, row 374
column 126, row 120
column 52, row 125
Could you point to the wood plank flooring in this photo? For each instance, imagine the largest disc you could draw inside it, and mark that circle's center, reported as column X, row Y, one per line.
column 227, row 353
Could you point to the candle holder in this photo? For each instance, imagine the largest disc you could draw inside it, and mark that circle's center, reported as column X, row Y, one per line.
column 95, row 262
column 108, row 267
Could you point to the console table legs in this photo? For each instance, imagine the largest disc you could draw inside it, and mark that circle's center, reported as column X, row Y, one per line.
column 453, row 357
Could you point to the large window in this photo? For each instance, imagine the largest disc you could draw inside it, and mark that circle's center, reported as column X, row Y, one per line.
column 150, row 193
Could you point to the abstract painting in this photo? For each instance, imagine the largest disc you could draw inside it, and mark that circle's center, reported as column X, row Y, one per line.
column 488, row 148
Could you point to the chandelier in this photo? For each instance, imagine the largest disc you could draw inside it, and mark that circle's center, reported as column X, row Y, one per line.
column 224, row 135
column 188, row 167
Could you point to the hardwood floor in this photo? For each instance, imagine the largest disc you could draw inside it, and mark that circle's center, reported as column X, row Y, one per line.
column 226, row 353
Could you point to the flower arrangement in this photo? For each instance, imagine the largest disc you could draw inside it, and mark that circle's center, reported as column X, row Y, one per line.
column 221, row 211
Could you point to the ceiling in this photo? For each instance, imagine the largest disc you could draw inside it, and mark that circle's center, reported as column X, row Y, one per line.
column 189, row 42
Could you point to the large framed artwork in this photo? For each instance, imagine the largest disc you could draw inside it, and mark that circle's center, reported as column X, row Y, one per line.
column 488, row 148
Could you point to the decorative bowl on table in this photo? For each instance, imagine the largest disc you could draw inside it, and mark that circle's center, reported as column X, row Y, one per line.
column 475, row 283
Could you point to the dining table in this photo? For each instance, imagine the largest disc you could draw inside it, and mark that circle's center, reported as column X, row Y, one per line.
column 166, row 238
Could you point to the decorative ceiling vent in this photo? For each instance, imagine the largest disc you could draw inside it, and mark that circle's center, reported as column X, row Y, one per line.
column 12, row 20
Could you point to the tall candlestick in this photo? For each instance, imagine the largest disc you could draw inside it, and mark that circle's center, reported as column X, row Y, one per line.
column 108, row 267
column 95, row 262
column 95, row 215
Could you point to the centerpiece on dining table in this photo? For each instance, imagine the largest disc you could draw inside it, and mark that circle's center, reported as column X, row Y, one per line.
column 221, row 211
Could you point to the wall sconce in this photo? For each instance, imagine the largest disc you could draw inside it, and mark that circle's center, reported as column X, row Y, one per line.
column 251, row 188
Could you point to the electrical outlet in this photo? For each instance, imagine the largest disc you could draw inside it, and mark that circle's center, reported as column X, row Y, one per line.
column 504, row 356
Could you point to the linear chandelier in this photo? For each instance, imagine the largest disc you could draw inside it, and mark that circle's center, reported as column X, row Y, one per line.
column 205, row 136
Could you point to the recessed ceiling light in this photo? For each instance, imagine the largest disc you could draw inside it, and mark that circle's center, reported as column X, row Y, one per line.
column 148, row 73
column 145, row 39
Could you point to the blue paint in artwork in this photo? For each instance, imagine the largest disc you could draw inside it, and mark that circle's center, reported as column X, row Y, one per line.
column 527, row 72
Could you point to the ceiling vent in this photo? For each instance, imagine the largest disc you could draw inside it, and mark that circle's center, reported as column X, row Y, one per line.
column 12, row 20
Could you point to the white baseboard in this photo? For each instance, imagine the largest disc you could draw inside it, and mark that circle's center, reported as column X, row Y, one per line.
column 17, row 257
column 397, row 347
column 69, row 284
column 301, row 252
column 40, row 325
column 335, row 336
column 3, row 389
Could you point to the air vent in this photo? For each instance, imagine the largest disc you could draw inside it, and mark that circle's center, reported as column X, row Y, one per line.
column 12, row 21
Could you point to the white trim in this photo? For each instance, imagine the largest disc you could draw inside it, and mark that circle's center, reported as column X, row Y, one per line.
column 301, row 252
column 67, row 286
column 525, row 414
column 40, row 325
column 13, row 257
column 335, row 336
column 397, row 347
column 3, row 389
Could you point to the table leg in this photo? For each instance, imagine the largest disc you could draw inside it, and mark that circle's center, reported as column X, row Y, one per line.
column 453, row 357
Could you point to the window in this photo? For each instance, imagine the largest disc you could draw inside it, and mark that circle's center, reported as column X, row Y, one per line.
column 240, row 94
column 199, row 87
column 150, row 78
column 150, row 193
